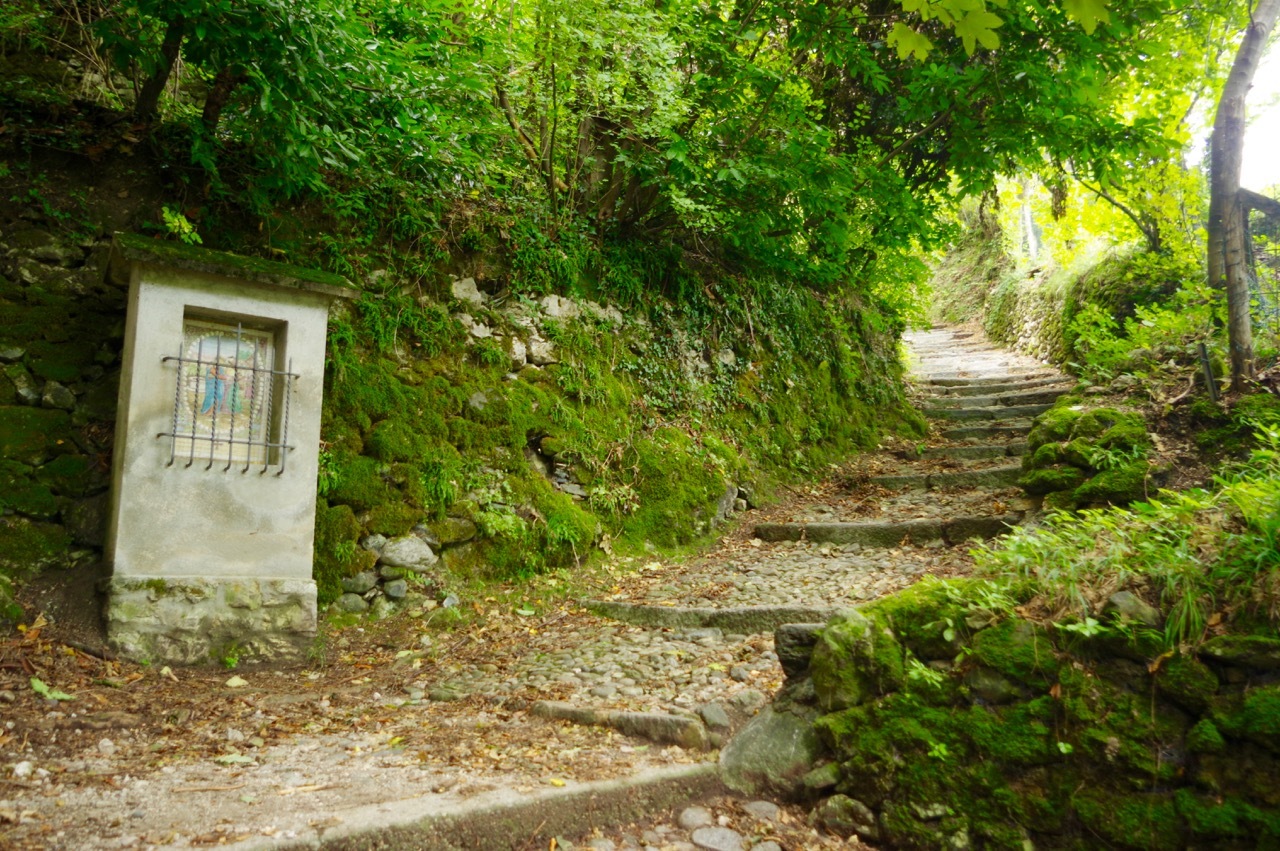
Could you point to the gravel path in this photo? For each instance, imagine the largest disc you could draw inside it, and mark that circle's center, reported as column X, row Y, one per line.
column 286, row 754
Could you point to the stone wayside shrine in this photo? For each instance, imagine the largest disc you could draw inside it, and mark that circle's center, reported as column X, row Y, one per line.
column 216, row 451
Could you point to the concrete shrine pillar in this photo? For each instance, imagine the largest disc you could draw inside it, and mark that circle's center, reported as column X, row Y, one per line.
column 216, row 451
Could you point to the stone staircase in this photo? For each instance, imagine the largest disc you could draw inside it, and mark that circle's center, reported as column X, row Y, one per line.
column 981, row 401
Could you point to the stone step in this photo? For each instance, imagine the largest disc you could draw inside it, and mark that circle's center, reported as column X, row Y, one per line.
column 993, row 412
column 954, row 531
column 966, row 379
column 989, row 431
column 1033, row 396
column 986, row 477
column 977, row 452
column 746, row 620
column 1062, row 384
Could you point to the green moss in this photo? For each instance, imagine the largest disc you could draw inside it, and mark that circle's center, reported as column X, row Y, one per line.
column 1020, row 734
column 34, row 435
column 1205, row 738
column 1214, row 819
column 1017, row 649
column 392, row 519
column 921, row 615
column 396, row 440
column 1046, row 455
column 1060, row 501
column 72, row 475
column 1094, row 422
column 1188, row 682
column 1129, row 432
column 1051, row 479
column 676, row 490
column 1147, row 822
column 63, row 361
column 856, row 658
column 1117, row 486
column 361, row 483
column 27, row 547
column 337, row 553
column 1055, row 424
column 1258, row 719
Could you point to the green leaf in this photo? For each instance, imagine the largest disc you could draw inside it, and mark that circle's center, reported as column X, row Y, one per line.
column 909, row 42
column 39, row 687
column 1088, row 13
column 233, row 759
column 979, row 27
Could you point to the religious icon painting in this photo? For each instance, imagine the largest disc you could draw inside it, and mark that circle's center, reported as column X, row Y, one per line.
column 223, row 406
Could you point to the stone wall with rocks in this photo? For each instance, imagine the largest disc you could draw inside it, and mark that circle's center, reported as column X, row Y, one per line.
column 926, row 720
column 61, row 329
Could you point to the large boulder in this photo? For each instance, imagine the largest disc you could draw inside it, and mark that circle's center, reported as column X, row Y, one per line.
column 773, row 753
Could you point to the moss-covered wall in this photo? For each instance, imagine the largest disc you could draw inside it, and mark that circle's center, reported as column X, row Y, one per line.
column 953, row 723
column 508, row 433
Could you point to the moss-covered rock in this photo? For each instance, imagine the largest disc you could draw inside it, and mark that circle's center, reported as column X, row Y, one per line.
column 1019, row 650
column 1188, row 682
column 34, row 435
column 855, row 659
column 1140, row 821
column 1054, row 425
column 1117, row 486
column 27, row 546
column 336, row 553
column 1059, row 477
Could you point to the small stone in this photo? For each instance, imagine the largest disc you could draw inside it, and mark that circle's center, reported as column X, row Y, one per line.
column 451, row 602
column 847, row 816
column 739, row 674
column 57, row 396
column 465, row 290
column 106, row 747
column 236, row 682
column 388, row 572
column 351, row 604
column 602, row 844
column 445, row 694
column 23, row 769
column 692, row 818
column 714, row 716
column 763, row 810
column 541, row 352
column 410, row 552
column 374, row 543
column 361, row 583
column 7, row 696
column 11, row 354
column 234, row 735
column 480, row 331
column 396, row 589
column 718, row 839
column 1128, row 606
column 767, row 845
column 604, row 691
column 478, row 400
column 559, row 307
column 381, row 608
column 519, row 354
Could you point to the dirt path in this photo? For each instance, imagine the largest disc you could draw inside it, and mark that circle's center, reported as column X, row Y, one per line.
column 664, row 662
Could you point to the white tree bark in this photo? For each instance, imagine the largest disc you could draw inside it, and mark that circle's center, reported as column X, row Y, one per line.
column 1226, row 255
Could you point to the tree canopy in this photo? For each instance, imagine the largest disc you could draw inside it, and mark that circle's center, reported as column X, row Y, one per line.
column 817, row 140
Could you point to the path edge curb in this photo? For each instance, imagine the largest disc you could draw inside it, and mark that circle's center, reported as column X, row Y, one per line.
column 507, row 821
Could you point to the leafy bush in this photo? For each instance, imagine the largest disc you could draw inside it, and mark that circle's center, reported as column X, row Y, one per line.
column 1193, row 553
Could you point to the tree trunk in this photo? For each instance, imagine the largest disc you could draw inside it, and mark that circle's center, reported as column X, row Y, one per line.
column 149, row 96
column 224, row 83
column 1226, row 255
